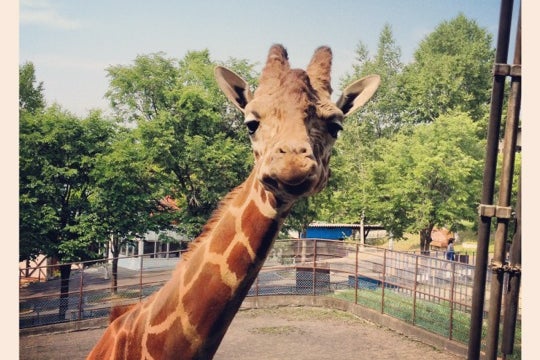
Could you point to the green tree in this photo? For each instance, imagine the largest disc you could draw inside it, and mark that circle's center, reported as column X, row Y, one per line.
column 381, row 116
column 57, row 153
column 430, row 177
column 142, row 90
column 189, row 134
column 451, row 71
column 31, row 97
column 124, row 203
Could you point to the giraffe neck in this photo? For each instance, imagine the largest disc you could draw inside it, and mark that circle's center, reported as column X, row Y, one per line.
column 190, row 314
column 225, row 261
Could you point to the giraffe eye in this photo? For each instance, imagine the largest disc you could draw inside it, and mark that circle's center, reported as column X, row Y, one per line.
column 334, row 128
column 252, row 126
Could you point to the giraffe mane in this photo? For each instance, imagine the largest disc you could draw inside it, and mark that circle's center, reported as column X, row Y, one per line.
column 207, row 228
column 119, row 310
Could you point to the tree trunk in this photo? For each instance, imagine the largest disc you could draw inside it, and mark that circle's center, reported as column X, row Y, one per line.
column 114, row 278
column 425, row 239
column 65, row 273
column 115, row 250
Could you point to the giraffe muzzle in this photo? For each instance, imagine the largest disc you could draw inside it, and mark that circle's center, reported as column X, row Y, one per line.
column 294, row 174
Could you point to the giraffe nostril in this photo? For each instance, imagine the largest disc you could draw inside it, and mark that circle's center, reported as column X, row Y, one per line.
column 294, row 149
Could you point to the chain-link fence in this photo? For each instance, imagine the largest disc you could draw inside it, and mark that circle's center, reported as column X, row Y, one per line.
column 428, row 292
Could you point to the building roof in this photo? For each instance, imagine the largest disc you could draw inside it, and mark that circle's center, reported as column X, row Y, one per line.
column 350, row 226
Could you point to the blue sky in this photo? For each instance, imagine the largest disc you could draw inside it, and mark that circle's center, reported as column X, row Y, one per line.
column 71, row 42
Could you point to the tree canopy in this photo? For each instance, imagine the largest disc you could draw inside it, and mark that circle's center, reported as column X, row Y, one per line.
column 451, row 71
column 57, row 154
column 429, row 177
column 31, row 97
column 184, row 127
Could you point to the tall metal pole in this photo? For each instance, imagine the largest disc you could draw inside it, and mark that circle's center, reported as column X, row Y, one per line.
column 511, row 302
column 503, row 211
column 497, row 96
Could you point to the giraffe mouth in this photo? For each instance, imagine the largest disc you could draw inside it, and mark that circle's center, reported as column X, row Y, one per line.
column 295, row 189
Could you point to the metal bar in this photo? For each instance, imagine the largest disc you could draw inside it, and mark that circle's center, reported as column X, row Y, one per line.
column 452, row 289
column 257, row 286
column 383, row 282
column 356, row 276
column 141, row 277
column 512, row 295
column 514, row 278
column 505, row 194
column 414, row 290
column 497, row 96
column 314, row 277
column 79, row 316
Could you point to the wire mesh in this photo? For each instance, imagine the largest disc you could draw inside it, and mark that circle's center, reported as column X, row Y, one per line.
column 429, row 292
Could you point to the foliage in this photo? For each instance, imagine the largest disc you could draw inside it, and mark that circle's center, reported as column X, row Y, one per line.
column 451, row 71
column 141, row 90
column 57, row 153
column 125, row 202
column 429, row 177
column 380, row 116
column 31, row 97
column 186, row 129
column 125, row 194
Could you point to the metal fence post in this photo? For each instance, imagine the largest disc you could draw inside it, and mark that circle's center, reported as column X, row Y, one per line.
column 414, row 289
column 257, row 287
column 383, row 283
column 452, row 287
column 512, row 291
column 314, row 277
column 79, row 316
column 356, row 275
column 141, row 276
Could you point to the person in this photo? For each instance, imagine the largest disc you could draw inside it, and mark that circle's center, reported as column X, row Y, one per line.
column 450, row 250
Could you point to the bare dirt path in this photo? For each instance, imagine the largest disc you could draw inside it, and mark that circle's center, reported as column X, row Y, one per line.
column 272, row 333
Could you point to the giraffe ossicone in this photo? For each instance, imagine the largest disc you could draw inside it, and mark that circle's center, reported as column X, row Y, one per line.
column 293, row 125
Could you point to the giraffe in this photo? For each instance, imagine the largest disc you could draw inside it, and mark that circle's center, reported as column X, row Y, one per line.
column 292, row 124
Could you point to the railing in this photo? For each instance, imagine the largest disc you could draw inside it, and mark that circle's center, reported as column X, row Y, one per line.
column 428, row 292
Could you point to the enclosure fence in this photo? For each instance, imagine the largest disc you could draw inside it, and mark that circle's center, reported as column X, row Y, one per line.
column 425, row 291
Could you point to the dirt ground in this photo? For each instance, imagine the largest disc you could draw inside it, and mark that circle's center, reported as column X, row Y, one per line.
column 272, row 333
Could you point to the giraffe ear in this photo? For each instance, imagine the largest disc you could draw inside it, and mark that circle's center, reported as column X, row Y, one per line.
column 358, row 93
column 233, row 86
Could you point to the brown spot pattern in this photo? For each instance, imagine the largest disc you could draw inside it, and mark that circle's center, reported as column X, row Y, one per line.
column 259, row 229
column 239, row 260
column 121, row 342
column 133, row 346
column 171, row 344
column 224, row 238
column 193, row 267
column 206, row 298
column 163, row 307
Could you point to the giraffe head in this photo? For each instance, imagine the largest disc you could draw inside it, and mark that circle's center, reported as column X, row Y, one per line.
column 291, row 120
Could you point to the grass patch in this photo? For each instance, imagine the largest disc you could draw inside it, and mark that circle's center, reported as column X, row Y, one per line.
column 433, row 317
column 277, row 330
column 411, row 242
column 302, row 313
